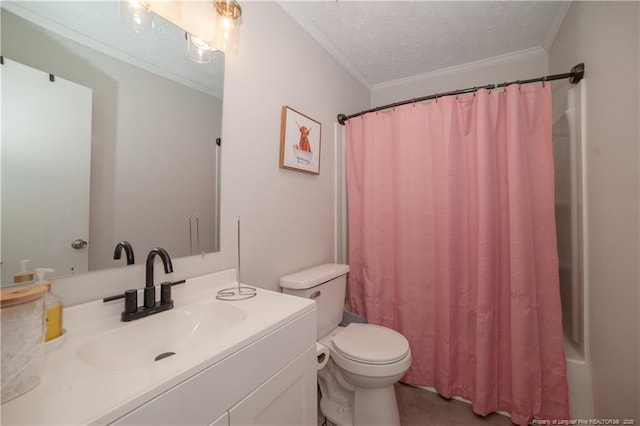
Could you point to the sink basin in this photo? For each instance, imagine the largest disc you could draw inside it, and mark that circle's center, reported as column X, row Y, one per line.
column 159, row 336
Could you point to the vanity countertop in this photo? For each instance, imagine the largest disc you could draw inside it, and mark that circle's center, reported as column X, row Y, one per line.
column 73, row 391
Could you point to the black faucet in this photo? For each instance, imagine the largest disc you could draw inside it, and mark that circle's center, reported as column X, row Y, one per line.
column 131, row 309
column 128, row 251
column 166, row 261
column 149, row 288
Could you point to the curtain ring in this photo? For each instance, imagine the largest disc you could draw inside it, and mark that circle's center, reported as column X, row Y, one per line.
column 414, row 102
column 519, row 86
column 362, row 115
column 457, row 93
column 544, row 79
column 474, row 91
column 394, row 106
column 491, row 87
column 377, row 108
column 436, row 98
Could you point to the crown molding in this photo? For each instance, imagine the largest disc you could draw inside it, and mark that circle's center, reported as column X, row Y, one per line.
column 313, row 30
column 469, row 66
column 310, row 27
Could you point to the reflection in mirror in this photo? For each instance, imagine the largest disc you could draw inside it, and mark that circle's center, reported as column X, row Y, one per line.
column 108, row 135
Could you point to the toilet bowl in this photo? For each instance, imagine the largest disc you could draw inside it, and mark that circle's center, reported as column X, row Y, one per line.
column 368, row 360
column 365, row 360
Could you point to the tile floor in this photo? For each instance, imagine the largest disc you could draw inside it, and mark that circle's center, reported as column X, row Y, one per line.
column 419, row 407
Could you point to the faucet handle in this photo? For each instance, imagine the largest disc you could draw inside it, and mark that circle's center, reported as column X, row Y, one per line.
column 130, row 301
column 149, row 297
column 165, row 293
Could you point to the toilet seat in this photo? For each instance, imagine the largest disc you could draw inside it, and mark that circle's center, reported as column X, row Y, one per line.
column 371, row 344
column 363, row 368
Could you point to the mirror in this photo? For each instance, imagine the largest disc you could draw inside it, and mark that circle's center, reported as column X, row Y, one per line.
column 146, row 155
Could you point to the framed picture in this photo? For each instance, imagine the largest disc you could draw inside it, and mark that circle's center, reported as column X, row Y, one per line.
column 299, row 142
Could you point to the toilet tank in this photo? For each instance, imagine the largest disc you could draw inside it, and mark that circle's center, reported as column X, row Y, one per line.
column 326, row 284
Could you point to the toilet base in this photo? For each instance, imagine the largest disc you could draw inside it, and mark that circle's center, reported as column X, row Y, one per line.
column 344, row 404
column 376, row 407
column 373, row 407
column 336, row 413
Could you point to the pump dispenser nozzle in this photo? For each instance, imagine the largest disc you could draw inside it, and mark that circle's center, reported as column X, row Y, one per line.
column 40, row 272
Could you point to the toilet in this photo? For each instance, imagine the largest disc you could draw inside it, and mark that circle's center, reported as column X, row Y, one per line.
column 365, row 360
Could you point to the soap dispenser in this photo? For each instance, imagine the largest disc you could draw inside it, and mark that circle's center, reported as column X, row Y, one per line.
column 53, row 307
column 24, row 276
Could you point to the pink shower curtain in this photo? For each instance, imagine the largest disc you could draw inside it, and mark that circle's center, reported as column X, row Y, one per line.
column 452, row 242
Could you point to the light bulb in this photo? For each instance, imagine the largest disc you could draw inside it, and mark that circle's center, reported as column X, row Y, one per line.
column 226, row 23
column 227, row 28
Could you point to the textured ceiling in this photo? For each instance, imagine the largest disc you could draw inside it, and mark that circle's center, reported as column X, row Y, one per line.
column 384, row 41
column 96, row 24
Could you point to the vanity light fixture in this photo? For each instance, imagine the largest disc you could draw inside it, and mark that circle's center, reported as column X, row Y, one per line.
column 211, row 26
column 136, row 14
column 227, row 28
column 199, row 50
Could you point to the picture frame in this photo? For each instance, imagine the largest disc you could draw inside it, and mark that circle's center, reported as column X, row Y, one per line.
column 300, row 142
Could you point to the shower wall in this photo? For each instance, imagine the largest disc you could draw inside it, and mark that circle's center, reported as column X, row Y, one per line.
column 605, row 36
column 571, row 221
column 567, row 155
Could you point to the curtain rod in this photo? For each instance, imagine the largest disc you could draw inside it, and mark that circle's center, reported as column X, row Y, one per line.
column 576, row 74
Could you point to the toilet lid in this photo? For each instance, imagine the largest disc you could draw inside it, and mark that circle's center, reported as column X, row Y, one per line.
column 371, row 344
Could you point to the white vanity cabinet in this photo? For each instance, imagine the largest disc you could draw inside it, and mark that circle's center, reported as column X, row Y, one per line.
column 272, row 381
column 288, row 398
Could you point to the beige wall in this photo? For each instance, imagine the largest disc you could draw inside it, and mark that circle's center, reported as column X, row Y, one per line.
column 604, row 35
column 287, row 217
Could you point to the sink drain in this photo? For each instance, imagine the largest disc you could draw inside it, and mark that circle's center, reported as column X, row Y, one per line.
column 164, row 355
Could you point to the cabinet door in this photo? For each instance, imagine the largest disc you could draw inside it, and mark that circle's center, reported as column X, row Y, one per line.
column 287, row 398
